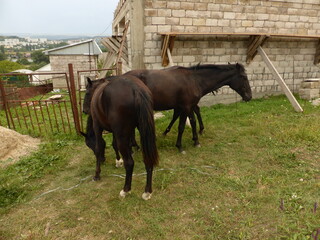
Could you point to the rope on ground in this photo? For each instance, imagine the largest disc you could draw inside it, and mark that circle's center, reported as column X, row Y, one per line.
column 123, row 176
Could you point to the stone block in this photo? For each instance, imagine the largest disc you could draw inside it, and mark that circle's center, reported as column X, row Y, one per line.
column 173, row 5
column 164, row 12
column 199, row 22
column 185, row 21
column 158, row 20
column 187, row 5
column 178, row 13
column 310, row 84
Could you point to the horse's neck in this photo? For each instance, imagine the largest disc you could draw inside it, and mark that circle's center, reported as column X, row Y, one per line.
column 209, row 80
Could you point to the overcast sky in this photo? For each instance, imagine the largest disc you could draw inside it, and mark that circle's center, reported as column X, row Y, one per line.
column 66, row 17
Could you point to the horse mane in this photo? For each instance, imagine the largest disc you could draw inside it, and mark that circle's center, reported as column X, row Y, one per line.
column 217, row 66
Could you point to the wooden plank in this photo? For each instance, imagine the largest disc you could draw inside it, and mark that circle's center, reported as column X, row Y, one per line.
column 108, row 44
column 167, row 44
column 256, row 41
column 279, row 79
column 170, row 57
column 115, row 42
column 240, row 34
column 317, row 55
column 123, row 40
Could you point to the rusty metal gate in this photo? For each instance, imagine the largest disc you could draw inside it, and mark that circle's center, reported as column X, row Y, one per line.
column 37, row 108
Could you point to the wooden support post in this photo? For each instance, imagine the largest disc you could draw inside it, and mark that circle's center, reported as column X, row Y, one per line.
column 317, row 55
column 170, row 58
column 167, row 44
column 255, row 42
column 281, row 82
column 73, row 99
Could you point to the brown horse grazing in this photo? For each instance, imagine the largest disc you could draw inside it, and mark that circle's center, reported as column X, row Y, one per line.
column 180, row 88
column 119, row 105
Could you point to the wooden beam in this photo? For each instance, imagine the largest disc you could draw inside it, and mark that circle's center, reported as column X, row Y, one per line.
column 167, row 43
column 317, row 55
column 170, row 57
column 254, row 43
column 279, row 79
column 109, row 44
column 123, row 41
column 238, row 34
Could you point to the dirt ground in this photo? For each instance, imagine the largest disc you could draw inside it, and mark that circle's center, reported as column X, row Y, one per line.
column 14, row 145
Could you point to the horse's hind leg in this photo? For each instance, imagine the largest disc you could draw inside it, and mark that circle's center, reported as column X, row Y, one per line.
column 125, row 150
column 176, row 114
column 119, row 161
column 99, row 152
column 148, row 189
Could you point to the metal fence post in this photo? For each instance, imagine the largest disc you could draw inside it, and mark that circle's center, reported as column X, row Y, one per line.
column 4, row 100
column 73, row 98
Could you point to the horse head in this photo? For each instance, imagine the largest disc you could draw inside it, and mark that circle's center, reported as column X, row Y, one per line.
column 240, row 83
column 90, row 89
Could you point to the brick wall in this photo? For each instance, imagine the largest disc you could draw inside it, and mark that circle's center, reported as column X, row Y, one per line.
column 293, row 58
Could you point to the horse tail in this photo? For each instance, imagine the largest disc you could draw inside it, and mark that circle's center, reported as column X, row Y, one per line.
column 146, row 127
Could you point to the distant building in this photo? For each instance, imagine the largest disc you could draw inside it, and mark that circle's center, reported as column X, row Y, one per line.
column 83, row 56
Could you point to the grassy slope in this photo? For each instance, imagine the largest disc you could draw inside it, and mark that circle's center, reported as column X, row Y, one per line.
column 253, row 156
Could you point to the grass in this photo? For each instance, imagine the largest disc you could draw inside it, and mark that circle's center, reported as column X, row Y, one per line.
column 255, row 176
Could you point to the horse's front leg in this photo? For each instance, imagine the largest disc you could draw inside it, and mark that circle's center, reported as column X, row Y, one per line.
column 194, row 129
column 99, row 153
column 182, row 124
column 176, row 114
column 196, row 110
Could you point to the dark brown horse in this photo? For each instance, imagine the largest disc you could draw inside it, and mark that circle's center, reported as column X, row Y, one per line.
column 119, row 105
column 181, row 88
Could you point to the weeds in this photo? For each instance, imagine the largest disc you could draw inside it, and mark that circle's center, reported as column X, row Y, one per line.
column 256, row 176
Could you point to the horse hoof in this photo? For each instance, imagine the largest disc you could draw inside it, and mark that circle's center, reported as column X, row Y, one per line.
column 119, row 163
column 123, row 194
column 95, row 178
column 146, row 196
column 183, row 152
column 197, row 145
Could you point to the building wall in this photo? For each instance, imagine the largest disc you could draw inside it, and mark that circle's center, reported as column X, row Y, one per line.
column 293, row 57
column 59, row 63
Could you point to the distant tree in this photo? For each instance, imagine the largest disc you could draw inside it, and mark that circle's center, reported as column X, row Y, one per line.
column 23, row 61
column 39, row 57
column 35, row 66
column 2, row 54
column 8, row 66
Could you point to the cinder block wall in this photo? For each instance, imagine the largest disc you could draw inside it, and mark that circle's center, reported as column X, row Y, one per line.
column 60, row 64
column 293, row 58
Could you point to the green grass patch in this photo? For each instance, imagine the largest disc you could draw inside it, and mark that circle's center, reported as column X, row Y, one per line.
column 255, row 176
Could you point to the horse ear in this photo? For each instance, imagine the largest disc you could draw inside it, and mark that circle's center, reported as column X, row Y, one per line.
column 89, row 81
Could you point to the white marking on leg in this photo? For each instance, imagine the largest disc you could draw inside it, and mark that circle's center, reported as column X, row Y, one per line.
column 123, row 194
column 146, row 195
column 119, row 163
